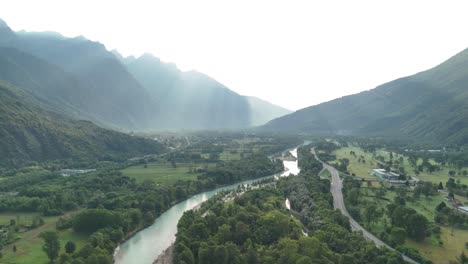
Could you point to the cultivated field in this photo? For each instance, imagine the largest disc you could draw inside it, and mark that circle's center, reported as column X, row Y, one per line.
column 165, row 173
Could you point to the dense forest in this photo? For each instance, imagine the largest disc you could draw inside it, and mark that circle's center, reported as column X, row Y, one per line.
column 256, row 227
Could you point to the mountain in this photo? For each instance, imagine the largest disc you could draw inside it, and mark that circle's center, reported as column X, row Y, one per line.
column 83, row 80
column 431, row 105
column 58, row 90
column 78, row 75
column 28, row 132
column 263, row 111
column 194, row 100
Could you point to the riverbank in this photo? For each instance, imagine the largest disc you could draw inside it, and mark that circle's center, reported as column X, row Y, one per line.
column 151, row 243
column 196, row 207
column 166, row 257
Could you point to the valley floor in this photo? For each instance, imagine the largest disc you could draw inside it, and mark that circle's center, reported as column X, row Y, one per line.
column 438, row 248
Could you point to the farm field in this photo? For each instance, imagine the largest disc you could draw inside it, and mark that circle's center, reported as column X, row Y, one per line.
column 164, row 173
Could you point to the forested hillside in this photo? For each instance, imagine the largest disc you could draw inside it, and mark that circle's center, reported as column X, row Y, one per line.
column 76, row 75
column 28, row 132
column 431, row 105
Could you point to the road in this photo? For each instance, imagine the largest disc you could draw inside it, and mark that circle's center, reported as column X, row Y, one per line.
column 338, row 202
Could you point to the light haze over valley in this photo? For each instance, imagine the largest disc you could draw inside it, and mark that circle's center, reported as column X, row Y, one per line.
column 231, row 132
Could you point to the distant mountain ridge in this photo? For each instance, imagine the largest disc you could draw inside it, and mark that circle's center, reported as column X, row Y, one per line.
column 431, row 105
column 195, row 95
column 264, row 111
column 83, row 80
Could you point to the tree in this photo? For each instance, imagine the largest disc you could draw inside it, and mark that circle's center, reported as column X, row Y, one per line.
column 186, row 255
column 450, row 184
column 220, row 255
column 427, row 189
column 441, row 186
column 233, row 253
column 398, row 235
column 51, row 244
column 65, row 259
column 462, row 259
column 37, row 221
column 413, row 161
column 440, row 206
column 371, row 213
column 173, row 163
column 14, row 248
column 417, row 226
column 91, row 220
column 70, row 247
column 204, row 253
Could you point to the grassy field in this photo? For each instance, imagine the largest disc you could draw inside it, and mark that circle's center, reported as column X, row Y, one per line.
column 453, row 246
column 227, row 156
column 20, row 218
column 29, row 247
column 363, row 170
column 163, row 174
column 325, row 174
column 436, row 177
column 360, row 169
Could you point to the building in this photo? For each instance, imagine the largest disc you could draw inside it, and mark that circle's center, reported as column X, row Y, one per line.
column 383, row 174
column 463, row 209
column 393, row 178
column 69, row 172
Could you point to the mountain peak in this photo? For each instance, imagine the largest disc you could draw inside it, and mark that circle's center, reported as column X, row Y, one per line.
column 6, row 34
column 149, row 57
column 3, row 24
column 117, row 54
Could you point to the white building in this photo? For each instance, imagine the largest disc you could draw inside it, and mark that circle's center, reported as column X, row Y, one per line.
column 393, row 178
column 381, row 173
column 463, row 209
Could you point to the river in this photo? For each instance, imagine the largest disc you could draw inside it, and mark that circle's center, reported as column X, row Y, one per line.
column 145, row 246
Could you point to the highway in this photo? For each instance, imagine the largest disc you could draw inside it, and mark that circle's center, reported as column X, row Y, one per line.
column 338, row 202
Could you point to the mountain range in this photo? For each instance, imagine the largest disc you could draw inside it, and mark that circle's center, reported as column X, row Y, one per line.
column 195, row 100
column 83, row 80
column 431, row 105
column 60, row 96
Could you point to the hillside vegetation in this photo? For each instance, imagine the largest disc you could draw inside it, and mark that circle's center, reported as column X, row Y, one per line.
column 431, row 105
column 28, row 132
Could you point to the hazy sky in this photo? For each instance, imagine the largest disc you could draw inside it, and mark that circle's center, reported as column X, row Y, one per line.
column 292, row 53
